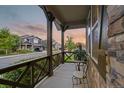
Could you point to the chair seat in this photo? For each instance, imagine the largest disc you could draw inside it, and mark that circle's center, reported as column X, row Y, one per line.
column 78, row 74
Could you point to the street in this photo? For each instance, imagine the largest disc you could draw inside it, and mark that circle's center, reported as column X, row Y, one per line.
column 13, row 59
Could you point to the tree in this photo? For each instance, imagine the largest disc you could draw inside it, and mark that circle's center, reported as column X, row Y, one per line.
column 15, row 42
column 8, row 41
column 70, row 45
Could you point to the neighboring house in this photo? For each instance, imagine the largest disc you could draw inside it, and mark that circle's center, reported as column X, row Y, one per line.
column 31, row 43
column 44, row 43
column 56, row 45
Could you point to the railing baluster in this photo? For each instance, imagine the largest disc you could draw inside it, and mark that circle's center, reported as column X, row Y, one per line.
column 42, row 69
column 32, row 75
column 22, row 74
column 68, row 56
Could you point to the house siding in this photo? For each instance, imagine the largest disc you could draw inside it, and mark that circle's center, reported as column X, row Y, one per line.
column 107, row 68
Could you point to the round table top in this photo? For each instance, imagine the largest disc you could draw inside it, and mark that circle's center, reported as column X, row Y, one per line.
column 78, row 61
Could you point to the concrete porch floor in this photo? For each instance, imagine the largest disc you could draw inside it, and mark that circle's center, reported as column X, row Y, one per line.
column 62, row 78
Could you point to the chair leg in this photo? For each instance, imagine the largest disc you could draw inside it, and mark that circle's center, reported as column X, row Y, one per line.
column 73, row 82
column 83, row 81
column 87, row 82
column 77, row 81
column 75, row 66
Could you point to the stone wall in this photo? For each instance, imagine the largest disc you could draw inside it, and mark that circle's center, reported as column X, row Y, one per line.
column 109, row 72
column 115, row 68
column 94, row 76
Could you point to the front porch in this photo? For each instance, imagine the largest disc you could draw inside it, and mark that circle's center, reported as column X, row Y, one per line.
column 62, row 78
column 30, row 73
column 105, row 60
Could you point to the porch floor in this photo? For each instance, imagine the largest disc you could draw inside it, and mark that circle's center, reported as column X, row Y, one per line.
column 62, row 78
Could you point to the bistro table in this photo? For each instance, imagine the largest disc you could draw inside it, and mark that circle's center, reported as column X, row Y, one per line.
column 78, row 63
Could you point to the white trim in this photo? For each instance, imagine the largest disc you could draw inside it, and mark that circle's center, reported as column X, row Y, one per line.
column 94, row 60
column 91, row 46
column 94, row 26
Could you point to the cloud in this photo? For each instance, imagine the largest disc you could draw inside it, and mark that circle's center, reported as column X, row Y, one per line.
column 36, row 28
column 40, row 31
column 78, row 35
column 29, row 29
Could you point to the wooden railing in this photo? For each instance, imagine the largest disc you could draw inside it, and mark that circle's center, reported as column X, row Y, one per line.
column 68, row 56
column 56, row 60
column 28, row 73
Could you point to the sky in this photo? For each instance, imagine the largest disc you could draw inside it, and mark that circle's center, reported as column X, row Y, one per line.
column 78, row 35
column 21, row 14
column 30, row 19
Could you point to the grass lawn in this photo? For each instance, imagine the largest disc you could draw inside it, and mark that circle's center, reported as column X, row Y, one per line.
column 2, row 53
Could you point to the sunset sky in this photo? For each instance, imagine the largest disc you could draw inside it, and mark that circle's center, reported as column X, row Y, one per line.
column 30, row 20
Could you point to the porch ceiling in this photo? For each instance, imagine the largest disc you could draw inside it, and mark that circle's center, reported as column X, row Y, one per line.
column 73, row 16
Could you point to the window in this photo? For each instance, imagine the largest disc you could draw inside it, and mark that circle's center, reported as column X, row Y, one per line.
column 95, row 14
column 25, row 40
column 95, row 42
column 89, row 33
column 36, row 40
column 95, row 31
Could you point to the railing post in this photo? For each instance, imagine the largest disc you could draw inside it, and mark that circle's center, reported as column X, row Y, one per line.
column 63, row 28
column 62, row 46
column 50, row 19
column 32, row 75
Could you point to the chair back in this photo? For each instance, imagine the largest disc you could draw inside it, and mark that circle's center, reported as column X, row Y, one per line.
column 85, row 67
column 80, row 54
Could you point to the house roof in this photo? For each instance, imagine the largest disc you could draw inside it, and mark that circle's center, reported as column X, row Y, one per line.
column 28, row 36
column 74, row 16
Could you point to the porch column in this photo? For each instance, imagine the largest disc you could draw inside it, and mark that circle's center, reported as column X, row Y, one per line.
column 50, row 19
column 63, row 28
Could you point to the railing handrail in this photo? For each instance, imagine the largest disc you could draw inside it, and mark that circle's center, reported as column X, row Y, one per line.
column 24, row 63
column 68, row 51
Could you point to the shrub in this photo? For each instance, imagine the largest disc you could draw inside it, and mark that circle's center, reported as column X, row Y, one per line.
column 24, row 51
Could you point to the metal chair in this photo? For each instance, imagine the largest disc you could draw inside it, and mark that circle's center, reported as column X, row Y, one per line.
column 81, row 76
column 79, row 65
column 82, row 57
